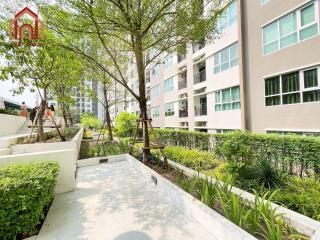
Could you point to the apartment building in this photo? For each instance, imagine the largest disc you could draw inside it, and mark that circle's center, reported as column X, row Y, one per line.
column 261, row 74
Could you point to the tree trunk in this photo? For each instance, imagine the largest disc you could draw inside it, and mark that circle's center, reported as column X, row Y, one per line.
column 40, row 120
column 107, row 113
column 64, row 114
column 142, row 98
column 69, row 117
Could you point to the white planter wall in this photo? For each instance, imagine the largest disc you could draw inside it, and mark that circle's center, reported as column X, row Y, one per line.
column 65, row 153
column 10, row 124
column 66, row 178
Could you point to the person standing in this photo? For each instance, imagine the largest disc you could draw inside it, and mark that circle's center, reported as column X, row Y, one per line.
column 24, row 110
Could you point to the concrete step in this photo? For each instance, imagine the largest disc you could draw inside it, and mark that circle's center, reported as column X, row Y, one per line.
column 5, row 151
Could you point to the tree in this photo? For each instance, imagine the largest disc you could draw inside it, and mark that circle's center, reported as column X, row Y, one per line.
column 126, row 123
column 46, row 69
column 121, row 27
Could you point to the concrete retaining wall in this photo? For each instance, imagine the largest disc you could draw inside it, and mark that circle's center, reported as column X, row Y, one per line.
column 10, row 124
column 215, row 224
column 66, row 153
column 66, row 178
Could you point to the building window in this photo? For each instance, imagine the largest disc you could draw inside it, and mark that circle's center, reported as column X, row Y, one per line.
column 169, row 109
column 155, row 70
column 290, row 29
column 294, row 87
column 168, row 85
column 168, row 61
column 155, row 91
column 228, row 17
column 226, row 58
column 155, row 112
column 263, row 2
column 227, row 99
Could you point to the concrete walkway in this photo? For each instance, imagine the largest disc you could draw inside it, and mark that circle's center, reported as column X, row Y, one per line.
column 113, row 202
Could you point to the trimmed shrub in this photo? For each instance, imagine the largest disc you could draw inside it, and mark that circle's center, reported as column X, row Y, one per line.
column 195, row 159
column 25, row 191
column 296, row 155
column 9, row 111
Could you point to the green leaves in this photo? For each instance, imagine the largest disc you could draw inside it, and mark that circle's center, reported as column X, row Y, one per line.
column 126, row 124
column 25, row 190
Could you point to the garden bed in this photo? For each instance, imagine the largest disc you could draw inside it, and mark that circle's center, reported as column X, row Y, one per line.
column 258, row 218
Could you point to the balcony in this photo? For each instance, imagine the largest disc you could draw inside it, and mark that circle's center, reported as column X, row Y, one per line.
column 198, row 45
column 182, row 85
column 200, row 108
column 201, row 111
column 200, row 77
column 181, row 57
column 183, row 108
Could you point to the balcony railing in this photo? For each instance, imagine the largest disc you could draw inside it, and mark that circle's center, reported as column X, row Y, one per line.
column 201, row 111
column 182, row 85
column 183, row 113
column 200, row 77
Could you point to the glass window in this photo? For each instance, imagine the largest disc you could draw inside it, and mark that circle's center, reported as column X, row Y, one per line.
column 270, row 38
column 310, row 78
column 155, row 112
column 307, row 15
column 264, row 2
column 226, row 58
column 217, row 63
column 308, row 22
column 290, row 82
column 168, row 85
column 168, row 60
column 227, row 99
column 169, row 109
column 155, row 91
column 288, row 30
column 311, row 96
column 284, row 31
column 233, row 14
column 290, row 91
column 155, row 70
column 272, row 86
column 234, row 55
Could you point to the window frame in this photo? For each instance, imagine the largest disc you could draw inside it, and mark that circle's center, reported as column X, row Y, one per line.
column 218, row 106
column 299, row 28
column 169, row 112
column 171, row 86
column 229, row 61
column 152, row 91
column 301, row 85
column 155, row 114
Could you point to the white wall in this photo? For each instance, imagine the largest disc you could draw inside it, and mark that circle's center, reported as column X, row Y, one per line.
column 10, row 124
column 66, row 178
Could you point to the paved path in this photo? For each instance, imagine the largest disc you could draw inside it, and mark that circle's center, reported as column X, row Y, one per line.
column 113, row 202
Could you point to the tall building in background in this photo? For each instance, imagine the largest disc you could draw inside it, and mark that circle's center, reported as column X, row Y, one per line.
column 261, row 74
column 84, row 102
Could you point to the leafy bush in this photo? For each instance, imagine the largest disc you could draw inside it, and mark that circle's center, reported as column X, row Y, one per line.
column 25, row 190
column 195, row 159
column 301, row 195
column 90, row 121
column 87, row 134
column 9, row 111
column 126, row 124
column 68, row 133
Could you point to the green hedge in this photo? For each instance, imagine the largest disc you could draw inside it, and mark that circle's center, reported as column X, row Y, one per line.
column 25, row 191
column 194, row 159
column 296, row 155
column 9, row 111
